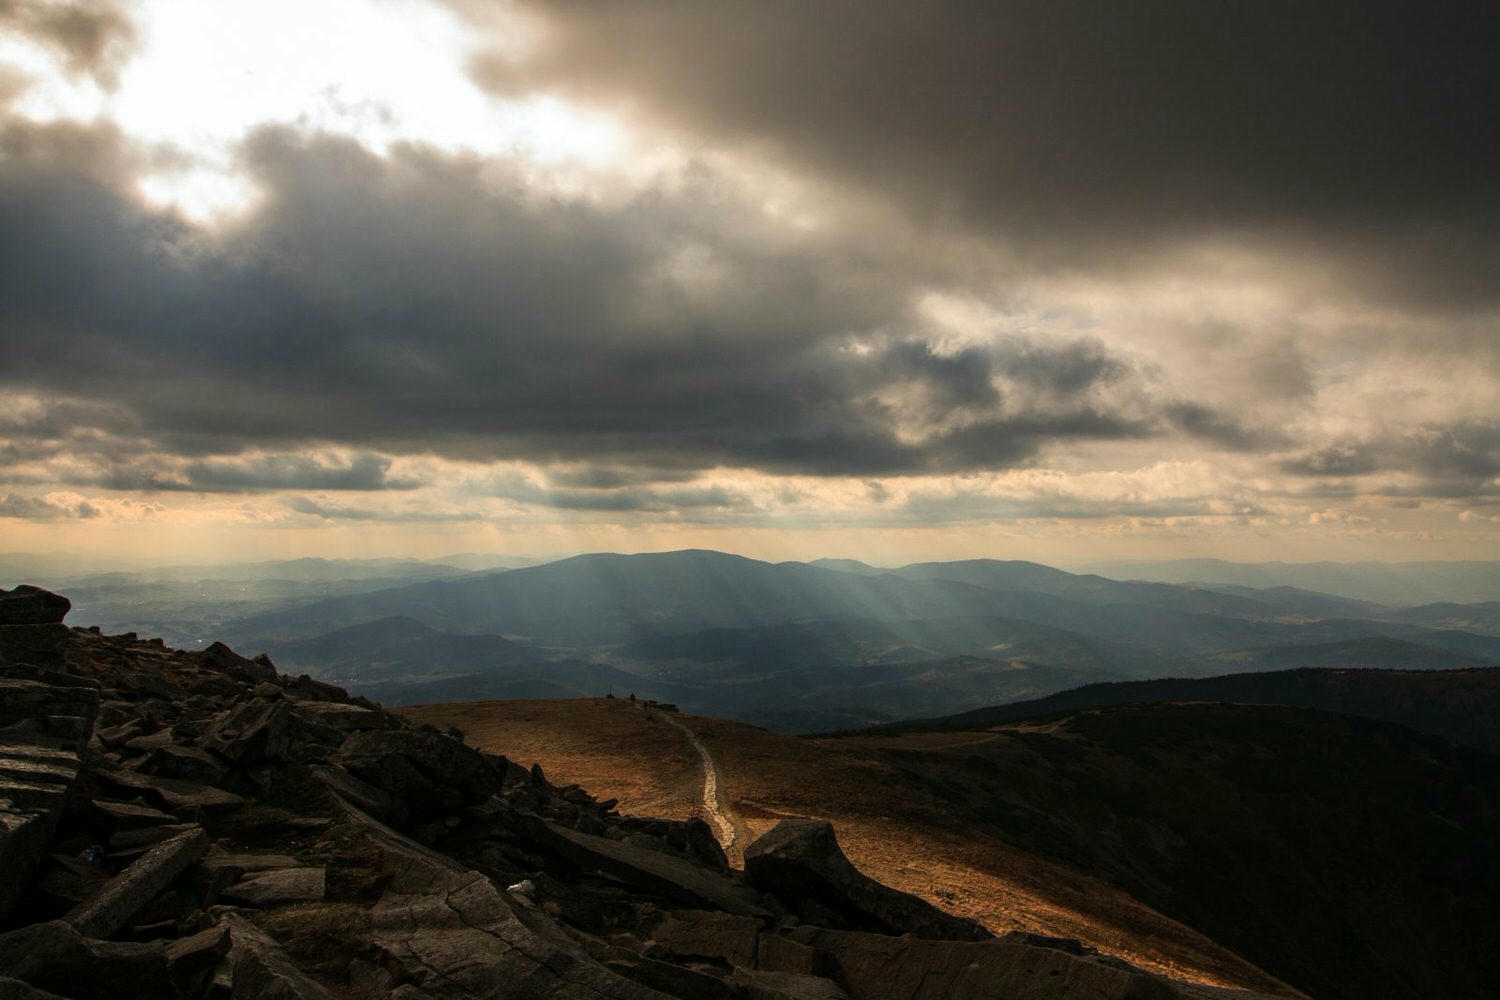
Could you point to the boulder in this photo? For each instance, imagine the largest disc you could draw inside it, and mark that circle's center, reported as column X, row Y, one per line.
column 262, row 970
column 426, row 771
column 279, row 886
column 362, row 795
column 222, row 659
column 22, row 700
column 709, row 934
column 184, row 798
column 673, row 878
column 54, row 956
column 39, row 645
column 187, row 763
column 137, row 885
column 452, row 935
column 342, row 717
column 35, row 785
column 14, row 989
column 191, row 960
column 262, row 730
column 800, row 859
column 877, row 966
column 28, row 605
column 755, row 984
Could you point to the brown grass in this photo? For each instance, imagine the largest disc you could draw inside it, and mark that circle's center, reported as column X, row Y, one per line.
column 585, row 741
column 895, row 832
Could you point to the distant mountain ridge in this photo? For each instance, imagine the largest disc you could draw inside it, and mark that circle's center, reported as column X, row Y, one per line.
column 1462, row 706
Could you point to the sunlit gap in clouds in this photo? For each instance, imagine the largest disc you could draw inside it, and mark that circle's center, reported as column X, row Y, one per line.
column 206, row 74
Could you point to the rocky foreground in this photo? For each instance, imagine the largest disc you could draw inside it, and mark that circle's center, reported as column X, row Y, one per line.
column 177, row 824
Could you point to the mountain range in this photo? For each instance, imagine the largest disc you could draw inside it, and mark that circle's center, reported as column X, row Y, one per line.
column 797, row 646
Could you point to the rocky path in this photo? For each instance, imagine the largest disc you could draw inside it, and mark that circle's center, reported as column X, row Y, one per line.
column 722, row 824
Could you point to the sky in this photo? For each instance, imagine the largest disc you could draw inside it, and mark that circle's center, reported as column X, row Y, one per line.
column 1050, row 280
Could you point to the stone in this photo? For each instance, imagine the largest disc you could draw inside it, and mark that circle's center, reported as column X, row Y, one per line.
column 696, row 839
column 138, row 884
column 35, row 785
column 877, row 966
column 186, row 763
column 427, row 771
column 128, row 815
column 54, row 956
column 361, row 794
column 674, row 878
column 23, row 841
column 709, row 934
column 254, row 731
column 14, row 989
column 22, row 700
column 39, row 645
column 57, row 678
column 342, row 717
column 279, row 886
column 800, row 859
column 224, row 660
column 262, row 970
column 453, row 936
column 175, row 795
column 304, row 688
column 191, row 960
column 754, row 984
column 28, row 605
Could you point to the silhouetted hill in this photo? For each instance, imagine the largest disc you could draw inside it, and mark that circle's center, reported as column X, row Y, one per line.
column 1352, row 858
column 1458, row 705
column 1483, row 618
column 1401, row 584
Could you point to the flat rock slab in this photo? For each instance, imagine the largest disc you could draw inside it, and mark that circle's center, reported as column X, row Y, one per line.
column 876, row 967
column 21, row 698
column 674, row 878
column 34, row 786
column 262, row 970
column 23, row 841
column 174, row 794
column 53, row 956
column 344, row 718
column 137, row 885
column 128, row 815
column 279, row 886
column 801, row 859
column 455, row 938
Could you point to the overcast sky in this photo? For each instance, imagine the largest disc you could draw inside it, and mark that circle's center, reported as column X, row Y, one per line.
column 1049, row 279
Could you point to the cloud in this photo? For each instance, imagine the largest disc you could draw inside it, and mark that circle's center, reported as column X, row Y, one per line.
column 1458, row 460
column 94, row 37
column 338, row 512
column 1090, row 134
column 303, row 472
column 33, row 508
column 463, row 316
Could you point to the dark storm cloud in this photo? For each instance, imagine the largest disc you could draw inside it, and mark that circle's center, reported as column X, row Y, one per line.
column 1361, row 134
column 1222, row 429
column 1454, row 461
column 41, row 509
column 280, row 472
column 94, row 37
column 339, row 512
column 426, row 303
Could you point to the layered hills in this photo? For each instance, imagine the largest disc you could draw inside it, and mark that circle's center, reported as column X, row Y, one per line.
column 824, row 645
